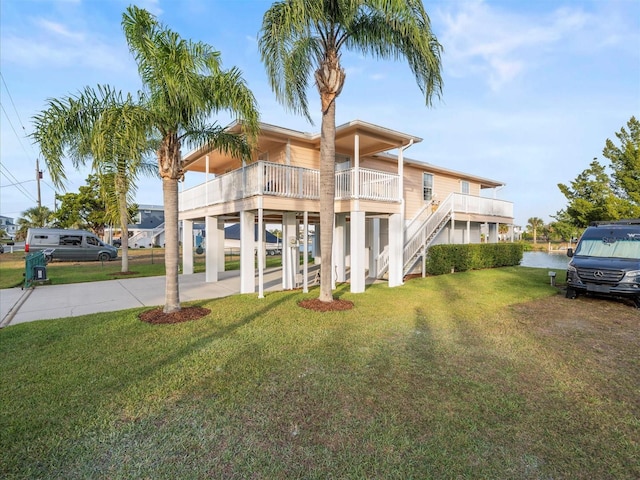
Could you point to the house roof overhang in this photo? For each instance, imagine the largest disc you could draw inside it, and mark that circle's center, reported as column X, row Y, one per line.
column 428, row 167
column 372, row 139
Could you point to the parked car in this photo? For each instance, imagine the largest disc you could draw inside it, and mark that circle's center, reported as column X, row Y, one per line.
column 606, row 261
column 63, row 244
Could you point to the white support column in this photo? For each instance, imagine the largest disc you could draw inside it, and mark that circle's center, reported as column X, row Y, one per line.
column 289, row 252
column 468, row 236
column 316, row 243
column 206, row 180
column 374, row 248
column 187, row 247
column 493, row 232
column 356, row 172
column 358, row 265
column 261, row 254
column 247, row 252
column 339, row 254
column 396, row 244
column 214, row 254
column 452, row 230
column 305, row 253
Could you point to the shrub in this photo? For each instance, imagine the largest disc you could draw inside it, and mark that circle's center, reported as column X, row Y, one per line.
column 443, row 258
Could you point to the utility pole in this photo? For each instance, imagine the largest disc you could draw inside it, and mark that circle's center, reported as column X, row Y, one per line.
column 38, row 178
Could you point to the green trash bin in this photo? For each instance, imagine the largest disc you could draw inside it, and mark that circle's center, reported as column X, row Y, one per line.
column 35, row 268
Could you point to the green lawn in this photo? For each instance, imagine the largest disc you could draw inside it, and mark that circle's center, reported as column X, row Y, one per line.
column 471, row 375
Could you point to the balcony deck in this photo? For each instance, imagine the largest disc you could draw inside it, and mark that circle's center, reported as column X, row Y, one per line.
column 288, row 182
column 285, row 187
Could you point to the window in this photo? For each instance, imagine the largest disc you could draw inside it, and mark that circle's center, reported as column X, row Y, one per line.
column 70, row 240
column 92, row 241
column 343, row 162
column 464, row 187
column 427, row 187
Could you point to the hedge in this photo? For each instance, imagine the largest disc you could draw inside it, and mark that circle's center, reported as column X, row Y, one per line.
column 443, row 258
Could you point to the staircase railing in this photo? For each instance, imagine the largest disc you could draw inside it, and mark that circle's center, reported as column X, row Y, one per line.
column 426, row 233
column 382, row 262
column 146, row 234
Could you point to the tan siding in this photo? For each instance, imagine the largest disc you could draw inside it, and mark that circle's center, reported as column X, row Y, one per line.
column 377, row 164
column 302, row 156
column 443, row 185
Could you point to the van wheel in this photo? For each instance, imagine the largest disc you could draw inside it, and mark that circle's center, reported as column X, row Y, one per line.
column 104, row 257
column 636, row 300
column 571, row 293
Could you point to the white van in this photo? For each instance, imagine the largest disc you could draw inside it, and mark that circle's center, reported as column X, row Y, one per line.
column 63, row 244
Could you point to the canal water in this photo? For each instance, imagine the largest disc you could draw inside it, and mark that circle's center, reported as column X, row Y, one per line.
column 545, row 260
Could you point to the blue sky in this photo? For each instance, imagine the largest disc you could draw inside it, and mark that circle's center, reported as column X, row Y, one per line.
column 532, row 90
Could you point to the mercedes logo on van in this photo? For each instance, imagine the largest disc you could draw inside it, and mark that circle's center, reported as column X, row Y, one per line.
column 598, row 274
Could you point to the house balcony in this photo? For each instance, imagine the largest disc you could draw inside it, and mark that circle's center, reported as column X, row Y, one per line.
column 470, row 207
column 282, row 182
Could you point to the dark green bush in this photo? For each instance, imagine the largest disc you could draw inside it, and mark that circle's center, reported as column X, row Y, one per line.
column 443, row 258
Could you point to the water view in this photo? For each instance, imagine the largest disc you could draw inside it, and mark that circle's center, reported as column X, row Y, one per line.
column 545, row 260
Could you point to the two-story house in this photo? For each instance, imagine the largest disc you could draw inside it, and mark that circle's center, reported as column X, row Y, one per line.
column 388, row 208
column 8, row 227
column 147, row 229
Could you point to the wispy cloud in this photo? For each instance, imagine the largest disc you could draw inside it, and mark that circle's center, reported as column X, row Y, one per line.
column 500, row 46
column 57, row 29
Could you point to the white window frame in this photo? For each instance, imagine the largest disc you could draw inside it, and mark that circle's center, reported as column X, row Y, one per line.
column 427, row 186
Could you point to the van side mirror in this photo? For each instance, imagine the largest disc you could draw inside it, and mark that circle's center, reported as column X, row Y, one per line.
column 569, row 252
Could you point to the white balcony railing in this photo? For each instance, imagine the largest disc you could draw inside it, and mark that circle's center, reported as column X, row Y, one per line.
column 265, row 178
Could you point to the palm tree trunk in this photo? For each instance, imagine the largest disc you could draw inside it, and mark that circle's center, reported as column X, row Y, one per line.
column 172, row 254
column 327, row 196
column 124, row 228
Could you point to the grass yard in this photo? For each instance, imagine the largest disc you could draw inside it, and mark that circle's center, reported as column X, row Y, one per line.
column 480, row 375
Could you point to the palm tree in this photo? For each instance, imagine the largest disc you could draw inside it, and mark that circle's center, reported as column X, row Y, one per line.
column 34, row 217
column 300, row 35
column 533, row 224
column 184, row 85
column 95, row 125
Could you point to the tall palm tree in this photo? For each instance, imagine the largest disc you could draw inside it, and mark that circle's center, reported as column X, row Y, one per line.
column 95, row 125
column 184, row 85
column 534, row 224
column 33, row 217
column 301, row 36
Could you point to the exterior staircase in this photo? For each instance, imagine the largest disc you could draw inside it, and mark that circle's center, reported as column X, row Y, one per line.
column 419, row 234
column 146, row 238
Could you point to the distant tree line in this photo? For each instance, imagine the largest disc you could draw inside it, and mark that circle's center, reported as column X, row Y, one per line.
column 608, row 191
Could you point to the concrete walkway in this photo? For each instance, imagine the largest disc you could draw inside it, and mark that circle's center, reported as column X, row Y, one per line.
column 45, row 302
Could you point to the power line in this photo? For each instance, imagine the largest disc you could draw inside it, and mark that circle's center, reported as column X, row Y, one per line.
column 14, row 130
column 17, row 184
column 15, row 110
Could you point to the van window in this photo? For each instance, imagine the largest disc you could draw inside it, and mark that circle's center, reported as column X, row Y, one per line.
column 70, row 240
column 92, row 241
column 610, row 247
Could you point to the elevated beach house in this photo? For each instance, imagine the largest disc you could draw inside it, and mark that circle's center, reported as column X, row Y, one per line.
column 388, row 208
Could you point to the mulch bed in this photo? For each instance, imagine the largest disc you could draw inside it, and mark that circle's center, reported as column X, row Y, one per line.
column 185, row 314
column 320, row 306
